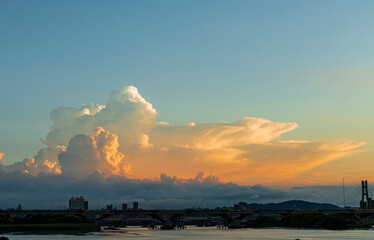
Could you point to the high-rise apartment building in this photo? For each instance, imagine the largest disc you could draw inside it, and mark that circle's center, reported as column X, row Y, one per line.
column 78, row 203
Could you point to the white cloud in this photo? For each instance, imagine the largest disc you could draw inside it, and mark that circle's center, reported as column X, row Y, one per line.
column 44, row 161
column 245, row 151
column 126, row 114
column 217, row 136
column 87, row 154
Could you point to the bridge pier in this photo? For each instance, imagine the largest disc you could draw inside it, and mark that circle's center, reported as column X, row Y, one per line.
column 167, row 223
column 222, row 226
column 234, row 223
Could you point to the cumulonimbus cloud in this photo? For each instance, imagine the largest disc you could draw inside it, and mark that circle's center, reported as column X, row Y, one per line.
column 86, row 154
column 245, row 151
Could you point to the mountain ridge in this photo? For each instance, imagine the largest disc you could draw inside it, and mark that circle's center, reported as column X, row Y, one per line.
column 293, row 205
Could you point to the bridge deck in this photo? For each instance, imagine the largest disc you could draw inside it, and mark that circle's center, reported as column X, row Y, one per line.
column 183, row 212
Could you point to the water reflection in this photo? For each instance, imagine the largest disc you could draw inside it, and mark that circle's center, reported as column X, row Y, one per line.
column 210, row 234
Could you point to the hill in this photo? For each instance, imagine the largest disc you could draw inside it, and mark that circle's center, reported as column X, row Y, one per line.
column 293, row 205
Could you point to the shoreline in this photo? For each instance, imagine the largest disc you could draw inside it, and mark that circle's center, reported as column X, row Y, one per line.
column 49, row 228
column 86, row 229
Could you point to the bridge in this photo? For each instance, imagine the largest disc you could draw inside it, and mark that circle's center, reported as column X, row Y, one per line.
column 171, row 219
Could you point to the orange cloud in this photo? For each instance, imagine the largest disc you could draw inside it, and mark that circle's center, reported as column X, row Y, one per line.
column 87, row 154
column 216, row 136
column 273, row 162
column 44, row 161
column 245, row 151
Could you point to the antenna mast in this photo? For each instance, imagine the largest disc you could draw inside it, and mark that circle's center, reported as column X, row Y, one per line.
column 343, row 194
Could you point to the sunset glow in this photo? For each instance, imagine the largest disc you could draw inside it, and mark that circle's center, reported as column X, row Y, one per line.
column 245, row 152
column 165, row 102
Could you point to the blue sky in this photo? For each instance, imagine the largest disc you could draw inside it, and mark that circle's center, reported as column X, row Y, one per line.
column 309, row 62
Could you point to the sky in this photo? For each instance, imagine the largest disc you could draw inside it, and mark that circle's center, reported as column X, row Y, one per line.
column 275, row 94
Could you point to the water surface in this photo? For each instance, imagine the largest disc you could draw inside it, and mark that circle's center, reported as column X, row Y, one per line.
column 210, row 233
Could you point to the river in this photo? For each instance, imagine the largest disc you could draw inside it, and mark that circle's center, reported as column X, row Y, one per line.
column 210, row 233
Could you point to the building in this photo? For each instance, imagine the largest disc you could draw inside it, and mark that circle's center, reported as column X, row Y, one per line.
column 124, row 206
column 241, row 206
column 109, row 207
column 78, row 203
column 19, row 208
column 135, row 206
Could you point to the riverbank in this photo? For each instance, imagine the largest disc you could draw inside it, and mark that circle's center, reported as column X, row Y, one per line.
column 313, row 221
column 50, row 228
column 45, row 224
